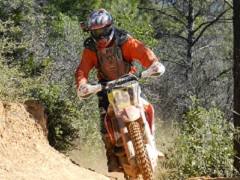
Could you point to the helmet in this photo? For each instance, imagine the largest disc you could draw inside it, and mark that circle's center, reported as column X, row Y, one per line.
column 100, row 24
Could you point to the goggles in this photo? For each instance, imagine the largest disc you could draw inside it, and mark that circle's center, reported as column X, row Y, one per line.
column 103, row 32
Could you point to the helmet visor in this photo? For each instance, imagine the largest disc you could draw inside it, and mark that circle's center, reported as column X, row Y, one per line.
column 103, row 32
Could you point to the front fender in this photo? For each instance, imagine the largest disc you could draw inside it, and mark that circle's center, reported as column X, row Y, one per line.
column 130, row 113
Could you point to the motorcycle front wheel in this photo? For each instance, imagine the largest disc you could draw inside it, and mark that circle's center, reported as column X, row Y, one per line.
column 140, row 150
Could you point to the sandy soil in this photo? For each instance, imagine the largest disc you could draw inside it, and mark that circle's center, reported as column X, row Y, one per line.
column 25, row 152
column 99, row 163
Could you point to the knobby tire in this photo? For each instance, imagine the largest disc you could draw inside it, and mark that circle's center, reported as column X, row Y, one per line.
column 140, row 150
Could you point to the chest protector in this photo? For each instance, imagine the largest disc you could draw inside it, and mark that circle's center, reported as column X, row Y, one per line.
column 111, row 62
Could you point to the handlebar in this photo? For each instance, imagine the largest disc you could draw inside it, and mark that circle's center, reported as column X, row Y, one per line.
column 155, row 70
column 125, row 78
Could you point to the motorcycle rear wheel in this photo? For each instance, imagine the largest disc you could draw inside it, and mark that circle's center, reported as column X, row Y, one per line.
column 140, row 150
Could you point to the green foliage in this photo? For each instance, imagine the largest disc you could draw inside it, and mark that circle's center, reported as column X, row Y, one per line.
column 66, row 44
column 12, row 18
column 129, row 18
column 72, row 8
column 142, row 31
column 60, row 125
column 67, row 120
column 14, row 83
column 14, row 86
column 15, row 10
column 203, row 145
column 90, row 138
column 10, row 43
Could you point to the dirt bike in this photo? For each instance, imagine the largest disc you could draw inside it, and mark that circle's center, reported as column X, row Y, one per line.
column 129, row 122
column 129, row 128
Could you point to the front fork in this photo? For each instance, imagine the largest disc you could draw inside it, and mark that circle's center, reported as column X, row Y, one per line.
column 128, row 115
column 120, row 136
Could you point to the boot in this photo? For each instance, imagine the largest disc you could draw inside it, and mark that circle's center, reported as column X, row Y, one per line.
column 112, row 160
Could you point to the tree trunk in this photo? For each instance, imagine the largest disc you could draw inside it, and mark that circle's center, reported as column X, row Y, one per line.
column 190, row 37
column 236, row 76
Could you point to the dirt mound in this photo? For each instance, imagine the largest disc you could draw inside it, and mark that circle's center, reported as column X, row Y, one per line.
column 25, row 152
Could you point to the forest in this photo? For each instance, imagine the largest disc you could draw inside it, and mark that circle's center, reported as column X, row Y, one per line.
column 196, row 101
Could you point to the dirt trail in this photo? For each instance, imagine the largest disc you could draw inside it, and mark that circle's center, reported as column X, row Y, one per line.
column 25, row 152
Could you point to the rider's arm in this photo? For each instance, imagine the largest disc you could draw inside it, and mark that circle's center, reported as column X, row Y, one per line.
column 134, row 49
column 88, row 61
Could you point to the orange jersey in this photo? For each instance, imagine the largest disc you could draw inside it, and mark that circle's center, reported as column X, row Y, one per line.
column 132, row 49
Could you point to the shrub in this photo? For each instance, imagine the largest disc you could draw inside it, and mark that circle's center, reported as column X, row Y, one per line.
column 68, row 119
column 203, row 145
column 13, row 85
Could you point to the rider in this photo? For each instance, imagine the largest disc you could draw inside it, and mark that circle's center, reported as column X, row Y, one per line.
column 111, row 51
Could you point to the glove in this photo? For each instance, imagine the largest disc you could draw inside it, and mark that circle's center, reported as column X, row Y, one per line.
column 155, row 70
column 85, row 91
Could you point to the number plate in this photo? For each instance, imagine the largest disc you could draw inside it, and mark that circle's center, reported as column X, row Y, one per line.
column 124, row 96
